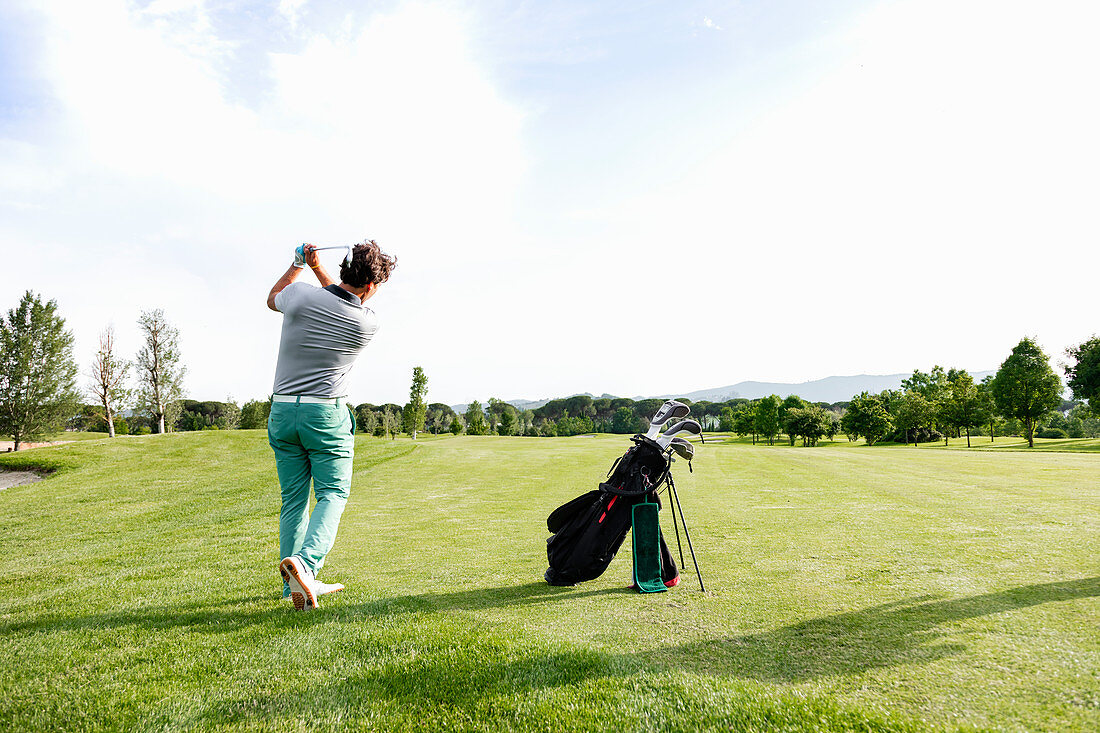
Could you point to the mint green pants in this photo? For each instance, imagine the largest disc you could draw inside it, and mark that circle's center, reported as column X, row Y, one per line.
column 313, row 444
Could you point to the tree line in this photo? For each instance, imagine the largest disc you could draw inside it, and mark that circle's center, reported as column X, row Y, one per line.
column 38, row 375
column 39, row 395
column 1024, row 398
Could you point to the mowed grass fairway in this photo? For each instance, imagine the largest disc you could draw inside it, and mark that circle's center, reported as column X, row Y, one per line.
column 851, row 588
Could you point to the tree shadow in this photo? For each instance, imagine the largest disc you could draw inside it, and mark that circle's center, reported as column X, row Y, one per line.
column 904, row 632
column 909, row 631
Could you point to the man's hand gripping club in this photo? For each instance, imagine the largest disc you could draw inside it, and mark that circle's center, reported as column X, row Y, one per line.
column 304, row 255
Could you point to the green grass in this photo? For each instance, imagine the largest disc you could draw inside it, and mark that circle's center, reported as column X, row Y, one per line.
column 1011, row 443
column 851, row 588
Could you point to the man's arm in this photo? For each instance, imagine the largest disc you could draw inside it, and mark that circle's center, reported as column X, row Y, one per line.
column 288, row 277
column 314, row 263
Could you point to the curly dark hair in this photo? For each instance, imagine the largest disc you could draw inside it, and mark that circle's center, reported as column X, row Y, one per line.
column 369, row 264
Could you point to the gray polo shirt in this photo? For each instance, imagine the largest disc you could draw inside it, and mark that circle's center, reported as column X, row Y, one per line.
column 324, row 329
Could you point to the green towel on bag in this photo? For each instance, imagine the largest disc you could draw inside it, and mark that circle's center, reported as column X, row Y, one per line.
column 645, row 533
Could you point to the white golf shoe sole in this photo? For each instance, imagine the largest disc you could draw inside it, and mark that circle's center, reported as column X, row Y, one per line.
column 301, row 590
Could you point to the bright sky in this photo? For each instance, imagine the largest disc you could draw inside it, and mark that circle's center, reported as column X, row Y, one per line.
column 627, row 197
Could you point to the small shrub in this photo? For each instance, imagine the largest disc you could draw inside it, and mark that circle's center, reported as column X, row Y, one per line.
column 1051, row 433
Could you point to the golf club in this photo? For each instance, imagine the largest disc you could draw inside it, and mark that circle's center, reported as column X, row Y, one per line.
column 682, row 448
column 671, row 410
column 684, row 427
column 301, row 250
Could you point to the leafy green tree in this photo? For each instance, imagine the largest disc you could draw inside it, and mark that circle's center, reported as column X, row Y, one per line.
column 725, row 420
column 507, row 424
column 964, row 407
column 645, row 409
column 988, row 406
column 172, row 412
column 190, row 420
column 456, row 425
column 767, row 418
column 254, row 414
column 414, row 419
column 367, row 421
column 1025, row 386
column 389, row 422
column 913, row 411
column 232, row 418
column 811, row 423
column 160, row 374
column 1083, row 376
column 625, row 422
column 207, row 415
column 790, row 402
column 107, row 379
column 1084, row 422
column 744, row 421
column 96, row 423
column 439, row 417
column 492, row 412
column 476, row 424
column 867, row 418
column 85, row 419
column 580, row 405
column 37, row 373
column 527, row 422
column 364, row 414
column 933, row 386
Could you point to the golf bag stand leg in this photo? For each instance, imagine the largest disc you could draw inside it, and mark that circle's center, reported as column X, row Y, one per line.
column 687, row 534
column 675, row 526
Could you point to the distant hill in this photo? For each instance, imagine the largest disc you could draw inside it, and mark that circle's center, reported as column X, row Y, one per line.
column 524, row 404
column 829, row 389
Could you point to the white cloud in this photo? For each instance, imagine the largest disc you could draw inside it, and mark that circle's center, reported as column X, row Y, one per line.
column 933, row 178
column 914, row 204
column 292, row 11
column 711, row 24
column 188, row 201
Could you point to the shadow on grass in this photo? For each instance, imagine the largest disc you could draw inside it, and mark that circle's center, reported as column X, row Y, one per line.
column 482, row 677
column 210, row 617
column 903, row 632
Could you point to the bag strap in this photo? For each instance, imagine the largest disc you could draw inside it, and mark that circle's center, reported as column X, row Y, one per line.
column 619, row 491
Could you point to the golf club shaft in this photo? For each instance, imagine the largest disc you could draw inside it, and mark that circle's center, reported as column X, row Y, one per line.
column 687, row 534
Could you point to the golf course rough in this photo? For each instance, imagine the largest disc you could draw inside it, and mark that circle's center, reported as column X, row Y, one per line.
column 851, row 588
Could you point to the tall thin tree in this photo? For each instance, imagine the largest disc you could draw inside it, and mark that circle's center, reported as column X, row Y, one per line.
column 107, row 379
column 160, row 373
column 417, row 406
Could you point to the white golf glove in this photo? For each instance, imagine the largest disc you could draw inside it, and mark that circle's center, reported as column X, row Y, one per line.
column 300, row 256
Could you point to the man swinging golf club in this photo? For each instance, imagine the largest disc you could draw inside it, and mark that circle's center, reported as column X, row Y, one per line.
column 312, row 428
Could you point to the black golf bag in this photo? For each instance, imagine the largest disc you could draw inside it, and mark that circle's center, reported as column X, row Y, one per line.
column 588, row 531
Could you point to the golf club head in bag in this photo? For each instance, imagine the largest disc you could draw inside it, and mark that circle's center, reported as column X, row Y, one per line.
column 671, row 410
column 682, row 448
column 684, row 427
